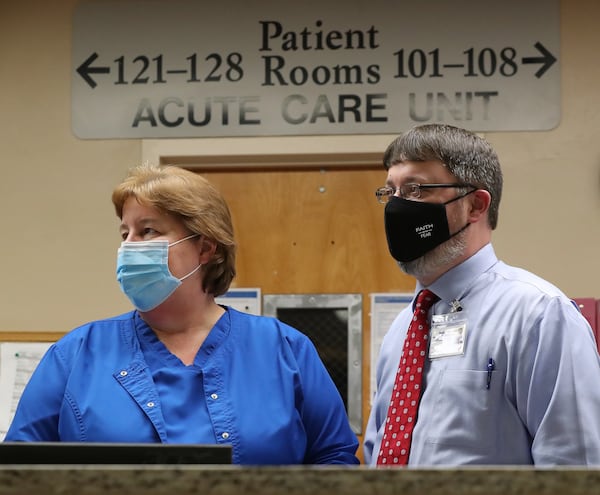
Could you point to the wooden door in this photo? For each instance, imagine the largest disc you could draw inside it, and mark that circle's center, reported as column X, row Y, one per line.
column 317, row 230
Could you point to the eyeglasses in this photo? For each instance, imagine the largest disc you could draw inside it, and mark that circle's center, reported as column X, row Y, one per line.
column 411, row 190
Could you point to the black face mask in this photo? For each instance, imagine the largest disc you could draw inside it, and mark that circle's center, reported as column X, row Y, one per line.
column 413, row 228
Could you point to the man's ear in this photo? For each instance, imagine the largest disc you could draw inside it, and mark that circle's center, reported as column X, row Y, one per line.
column 480, row 204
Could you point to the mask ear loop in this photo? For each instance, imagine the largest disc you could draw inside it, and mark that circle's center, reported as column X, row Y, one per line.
column 456, row 199
column 191, row 273
column 460, row 197
column 195, row 269
column 184, row 239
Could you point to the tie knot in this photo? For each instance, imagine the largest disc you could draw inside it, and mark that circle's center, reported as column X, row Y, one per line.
column 426, row 299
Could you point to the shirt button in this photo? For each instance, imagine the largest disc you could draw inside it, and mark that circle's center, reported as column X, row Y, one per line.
column 150, row 404
column 225, row 435
column 123, row 373
column 214, row 396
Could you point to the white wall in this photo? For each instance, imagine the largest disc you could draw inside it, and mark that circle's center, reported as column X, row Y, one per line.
column 59, row 233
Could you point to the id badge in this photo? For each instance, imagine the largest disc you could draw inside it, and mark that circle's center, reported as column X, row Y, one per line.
column 448, row 335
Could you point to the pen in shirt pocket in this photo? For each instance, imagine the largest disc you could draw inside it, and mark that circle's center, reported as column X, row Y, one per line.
column 491, row 365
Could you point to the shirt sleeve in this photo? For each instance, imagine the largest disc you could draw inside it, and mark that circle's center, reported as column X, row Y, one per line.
column 557, row 392
column 37, row 414
column 330, row 440
column 374, row 420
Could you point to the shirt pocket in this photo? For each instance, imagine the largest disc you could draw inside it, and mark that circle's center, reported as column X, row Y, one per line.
column 463, row 416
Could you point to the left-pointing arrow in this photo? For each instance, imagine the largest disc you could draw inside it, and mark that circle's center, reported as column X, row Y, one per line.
column 84, row 70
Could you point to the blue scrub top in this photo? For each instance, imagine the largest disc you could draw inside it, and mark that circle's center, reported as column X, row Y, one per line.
column 256, row 383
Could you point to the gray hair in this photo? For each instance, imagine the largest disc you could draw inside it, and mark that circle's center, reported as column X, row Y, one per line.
column 469, row 157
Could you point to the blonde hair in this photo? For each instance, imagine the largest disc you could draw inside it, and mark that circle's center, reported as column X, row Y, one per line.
column 194, row 201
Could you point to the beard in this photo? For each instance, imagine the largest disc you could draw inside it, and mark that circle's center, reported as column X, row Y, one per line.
column 443, row 256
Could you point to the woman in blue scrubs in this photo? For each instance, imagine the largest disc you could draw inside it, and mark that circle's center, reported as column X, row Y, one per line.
column 180, row 368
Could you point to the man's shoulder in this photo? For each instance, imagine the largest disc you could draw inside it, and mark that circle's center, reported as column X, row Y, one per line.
column 525, row 282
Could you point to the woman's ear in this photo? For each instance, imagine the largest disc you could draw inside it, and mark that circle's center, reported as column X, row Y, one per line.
column 208, row 247
column 480, row 204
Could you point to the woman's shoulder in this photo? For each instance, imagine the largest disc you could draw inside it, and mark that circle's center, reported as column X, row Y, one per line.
column 97, row 330
column 265, row 324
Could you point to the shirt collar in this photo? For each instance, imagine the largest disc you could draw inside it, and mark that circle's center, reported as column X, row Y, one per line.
column 455, row 282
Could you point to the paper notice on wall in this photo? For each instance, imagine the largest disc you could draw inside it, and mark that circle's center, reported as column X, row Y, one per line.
column 384, row 309
column 18, row 360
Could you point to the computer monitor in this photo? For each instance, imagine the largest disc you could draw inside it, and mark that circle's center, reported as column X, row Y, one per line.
column 112, row 453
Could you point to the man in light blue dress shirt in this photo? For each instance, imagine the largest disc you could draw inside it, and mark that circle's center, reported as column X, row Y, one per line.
column 513, row 373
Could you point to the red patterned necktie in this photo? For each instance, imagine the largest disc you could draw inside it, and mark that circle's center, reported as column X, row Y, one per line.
column 404, row 403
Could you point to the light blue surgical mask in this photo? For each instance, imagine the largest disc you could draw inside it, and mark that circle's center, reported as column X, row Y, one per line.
column 143, row 272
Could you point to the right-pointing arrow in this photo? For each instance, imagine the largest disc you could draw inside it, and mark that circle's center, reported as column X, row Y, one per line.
column 547, row 59
column 84, row 70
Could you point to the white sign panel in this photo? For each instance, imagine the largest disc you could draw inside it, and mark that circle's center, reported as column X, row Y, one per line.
column 385, row 307
column 191, row 68
column 245, row 300
column 18, row 361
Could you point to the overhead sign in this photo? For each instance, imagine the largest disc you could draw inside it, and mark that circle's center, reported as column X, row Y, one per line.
column 191, row 68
